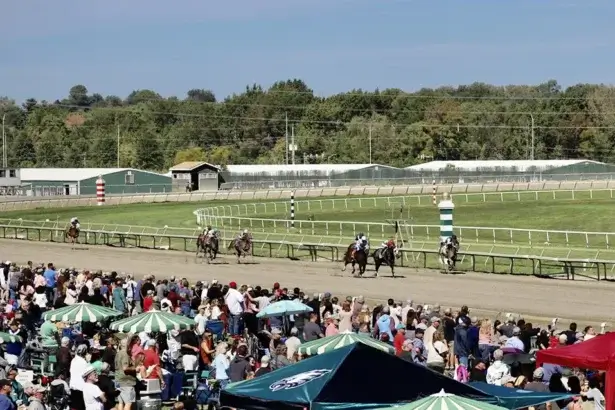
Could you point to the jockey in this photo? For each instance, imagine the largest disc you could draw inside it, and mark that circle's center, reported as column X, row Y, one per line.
column 74, row 222
column 244, row 234
column 209, row 231
column 361, row 242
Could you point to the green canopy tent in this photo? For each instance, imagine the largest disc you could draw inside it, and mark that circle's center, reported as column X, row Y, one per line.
column 355, row 376
column 445, row 401
column 152, row 321
column 327, row 344
column 81, row 312
column 9, row 338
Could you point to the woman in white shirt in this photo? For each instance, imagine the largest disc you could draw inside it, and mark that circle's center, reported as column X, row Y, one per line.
column 201, row 320
column 436, row 352
column 215, row 310
column 221, row 363
column 71, row 295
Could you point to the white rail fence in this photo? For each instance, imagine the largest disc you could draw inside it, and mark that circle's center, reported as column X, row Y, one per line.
column 8, row 203
column 393, row 202
column 378, row 230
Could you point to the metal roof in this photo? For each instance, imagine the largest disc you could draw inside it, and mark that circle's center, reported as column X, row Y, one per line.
column 519, row 165
column 70, row 174
column 297, row 168
column 191, row 165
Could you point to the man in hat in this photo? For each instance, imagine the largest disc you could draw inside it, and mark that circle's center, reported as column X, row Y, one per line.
column 93, row 397
column 36, row 394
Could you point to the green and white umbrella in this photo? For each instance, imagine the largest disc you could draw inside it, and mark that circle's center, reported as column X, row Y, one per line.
column 327, row 344
column 152, row 321
column 9, row 338
column 444, row 401
column 81, row 312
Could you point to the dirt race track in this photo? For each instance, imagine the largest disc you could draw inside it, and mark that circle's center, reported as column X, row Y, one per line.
column 538, row 299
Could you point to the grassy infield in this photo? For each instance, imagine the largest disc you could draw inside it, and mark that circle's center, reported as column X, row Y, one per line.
column 562, row 213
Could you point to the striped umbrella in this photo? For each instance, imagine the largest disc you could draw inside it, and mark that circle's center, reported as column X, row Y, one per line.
column 9, row 338
column 81, row 312
column 152, row 321
column 327, row 344
column 444, row 401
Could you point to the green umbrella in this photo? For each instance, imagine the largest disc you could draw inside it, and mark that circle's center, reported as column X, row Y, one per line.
column 330, row 343
column 444, row 401
column 81, row 312
column 9, row 338
column 152, row 321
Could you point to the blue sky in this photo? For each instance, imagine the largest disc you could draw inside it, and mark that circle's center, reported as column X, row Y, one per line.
column 116, row 46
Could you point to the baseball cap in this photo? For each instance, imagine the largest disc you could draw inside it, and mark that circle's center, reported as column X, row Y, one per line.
column 265, row 361
column 232, row 285
column 539, row 373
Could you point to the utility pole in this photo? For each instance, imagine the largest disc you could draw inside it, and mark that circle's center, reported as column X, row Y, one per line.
column 532, row 137
column 292, row 143
column 4, row 151
column 286, row 137
column 532, row 147
column 370, row 143
column 118, row 145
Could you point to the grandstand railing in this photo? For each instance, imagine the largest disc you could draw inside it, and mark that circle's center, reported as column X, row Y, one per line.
column 424, row 258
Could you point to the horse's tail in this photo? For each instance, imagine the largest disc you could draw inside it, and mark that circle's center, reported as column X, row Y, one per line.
column 231, row 244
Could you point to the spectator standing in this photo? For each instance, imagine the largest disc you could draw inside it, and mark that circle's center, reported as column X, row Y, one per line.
column 50, row 282
column 124, row 377
column 234, row 301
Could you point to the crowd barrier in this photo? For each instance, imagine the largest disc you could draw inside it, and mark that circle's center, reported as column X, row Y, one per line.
column 417, row 258
column 9, row 203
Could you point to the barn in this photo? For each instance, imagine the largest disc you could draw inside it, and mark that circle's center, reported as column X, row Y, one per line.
column 82, row 181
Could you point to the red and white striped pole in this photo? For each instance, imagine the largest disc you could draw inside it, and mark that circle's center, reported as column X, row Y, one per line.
column 434, row 189
column 100, row 191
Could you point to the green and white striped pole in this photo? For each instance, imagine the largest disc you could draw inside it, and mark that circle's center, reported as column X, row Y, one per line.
column 446, row 207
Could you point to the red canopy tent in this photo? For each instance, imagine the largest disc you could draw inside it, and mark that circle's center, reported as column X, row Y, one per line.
column 597, row 353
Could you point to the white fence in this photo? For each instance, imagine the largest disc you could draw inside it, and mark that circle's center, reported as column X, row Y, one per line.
column 377, row 230
column 392, row 202
column 9, row 203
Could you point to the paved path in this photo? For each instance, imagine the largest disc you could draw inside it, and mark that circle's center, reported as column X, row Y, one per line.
column 540, row 299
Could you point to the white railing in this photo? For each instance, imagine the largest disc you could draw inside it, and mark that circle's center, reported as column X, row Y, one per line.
column 378, row 231
column 392, row 204
column 10, row 203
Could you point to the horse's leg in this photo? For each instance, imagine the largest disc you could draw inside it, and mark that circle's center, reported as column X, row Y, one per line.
column 353, row 268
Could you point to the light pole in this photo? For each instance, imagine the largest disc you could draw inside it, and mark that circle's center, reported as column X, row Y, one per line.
column 532, row 136
column 370, row 143
column 4, row 161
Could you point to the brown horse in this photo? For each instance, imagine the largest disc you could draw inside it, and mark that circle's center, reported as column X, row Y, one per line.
column 72, row 233
column 208, row 245
column 359, row 258
column 243, row 247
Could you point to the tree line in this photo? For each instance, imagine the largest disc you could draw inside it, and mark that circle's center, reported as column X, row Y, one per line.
column 393, row 127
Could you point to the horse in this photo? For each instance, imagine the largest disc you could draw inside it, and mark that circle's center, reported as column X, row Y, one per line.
column 243, row 246
column 385, row 256
column 448, row 255
column 73, row 233
column 360, row 258
column 208, row 245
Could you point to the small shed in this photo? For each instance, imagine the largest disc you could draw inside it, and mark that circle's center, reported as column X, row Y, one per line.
column 195, row 176
column 82, row 181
